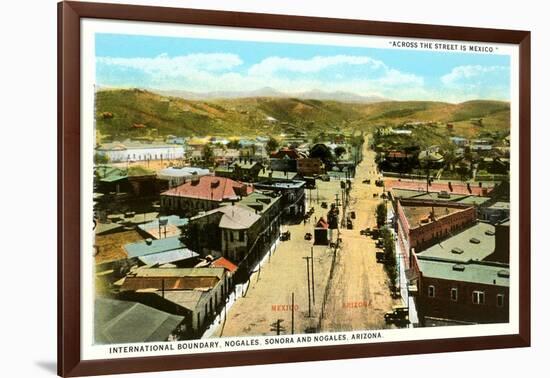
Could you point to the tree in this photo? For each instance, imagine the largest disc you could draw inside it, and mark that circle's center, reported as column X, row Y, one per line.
column 208, row 154
column 101, row 159
column 272, row 145
column 339, row 151
column 234, row 144
column 322, row 152
column 381, row 214
column 390, row 262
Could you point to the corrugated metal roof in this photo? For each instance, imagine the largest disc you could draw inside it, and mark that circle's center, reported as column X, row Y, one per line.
column 154, row 246
column 130, row 322
column 168, row 257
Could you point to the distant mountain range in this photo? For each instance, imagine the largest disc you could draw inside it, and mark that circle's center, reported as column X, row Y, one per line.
column 272, row 93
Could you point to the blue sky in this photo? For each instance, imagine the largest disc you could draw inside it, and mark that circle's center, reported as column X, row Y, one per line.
column 206, row 65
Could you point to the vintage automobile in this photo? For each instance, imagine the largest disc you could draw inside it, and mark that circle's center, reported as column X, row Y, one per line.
column 308, row 236
column 399, row 315
column 285, row 236
column 365, row 232
column 324, row 205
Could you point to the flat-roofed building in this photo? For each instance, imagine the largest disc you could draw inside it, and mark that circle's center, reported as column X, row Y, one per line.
column 465, row 278
column 422, row 223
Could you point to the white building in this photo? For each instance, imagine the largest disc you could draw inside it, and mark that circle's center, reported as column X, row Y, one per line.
column 135, row 151
column 178, row 175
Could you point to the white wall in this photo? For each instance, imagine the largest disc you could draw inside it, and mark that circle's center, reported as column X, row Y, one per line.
column 28, row 89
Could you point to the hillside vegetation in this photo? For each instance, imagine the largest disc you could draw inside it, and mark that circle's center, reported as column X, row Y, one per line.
column 135, row 113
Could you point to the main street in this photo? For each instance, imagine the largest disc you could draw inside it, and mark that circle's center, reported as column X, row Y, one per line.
column 359, row 295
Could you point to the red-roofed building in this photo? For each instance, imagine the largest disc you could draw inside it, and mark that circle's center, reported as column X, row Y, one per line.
column 203, row 194
column 222, row 262
column 321, row 232
column 285, row 152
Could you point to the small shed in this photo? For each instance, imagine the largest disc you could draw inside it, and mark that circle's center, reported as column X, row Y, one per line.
column 321, row 232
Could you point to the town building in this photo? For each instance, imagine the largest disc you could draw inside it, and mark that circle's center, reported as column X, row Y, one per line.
column 465, row 278
column 245, row 170
column 310, row 166
column 496, row 212
column 198, row 294
column 174, row 176
column 241, row 232
column 285, row 160
column 293, row 197
column 119, row 322
column 422, row 223
column 156, row 252
column 138, row 151
column 202, row 194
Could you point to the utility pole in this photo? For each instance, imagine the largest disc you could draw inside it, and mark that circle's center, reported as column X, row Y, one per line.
column 307, row 258
column 277, row 326
column 312, row 278
column 292, row 319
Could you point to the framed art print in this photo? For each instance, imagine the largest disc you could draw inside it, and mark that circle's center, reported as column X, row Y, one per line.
column 239, row 188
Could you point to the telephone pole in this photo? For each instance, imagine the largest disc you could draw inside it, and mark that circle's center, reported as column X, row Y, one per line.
column 292, row 318
column 307, row 258
column 312, row 278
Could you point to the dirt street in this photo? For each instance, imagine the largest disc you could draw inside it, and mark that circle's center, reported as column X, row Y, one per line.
column 359, row 294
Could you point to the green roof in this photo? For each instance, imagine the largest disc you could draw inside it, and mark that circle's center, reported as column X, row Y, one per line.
column 130, row 322
column 482, row 273
column 474, row 200
column 460, row 247
column 259, row 201
column 278, row 175
column 108, row 173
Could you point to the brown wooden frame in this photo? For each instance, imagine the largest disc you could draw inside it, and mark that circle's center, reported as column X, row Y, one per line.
column 69, row 16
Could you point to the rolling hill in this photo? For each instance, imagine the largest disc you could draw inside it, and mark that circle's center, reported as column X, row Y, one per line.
column 136, row 113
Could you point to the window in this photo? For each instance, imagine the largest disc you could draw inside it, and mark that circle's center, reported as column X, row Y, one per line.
column 500, row 300
column 431, row 291
column 478, row 297
column 230, row 236
column 241, row 236
column 454, row 294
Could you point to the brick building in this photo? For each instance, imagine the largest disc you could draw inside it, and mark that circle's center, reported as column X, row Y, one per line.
column 310, row 166
column 422, row 223
column 465, row 278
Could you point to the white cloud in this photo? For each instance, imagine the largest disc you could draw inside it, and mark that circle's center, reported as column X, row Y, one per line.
column 166, row 66
column 272, row 65
column 475, row 75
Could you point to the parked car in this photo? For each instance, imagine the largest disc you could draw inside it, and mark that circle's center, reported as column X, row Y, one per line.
column 399, row 315
column 285, row 236
column 365, row 232
column 307, row 236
